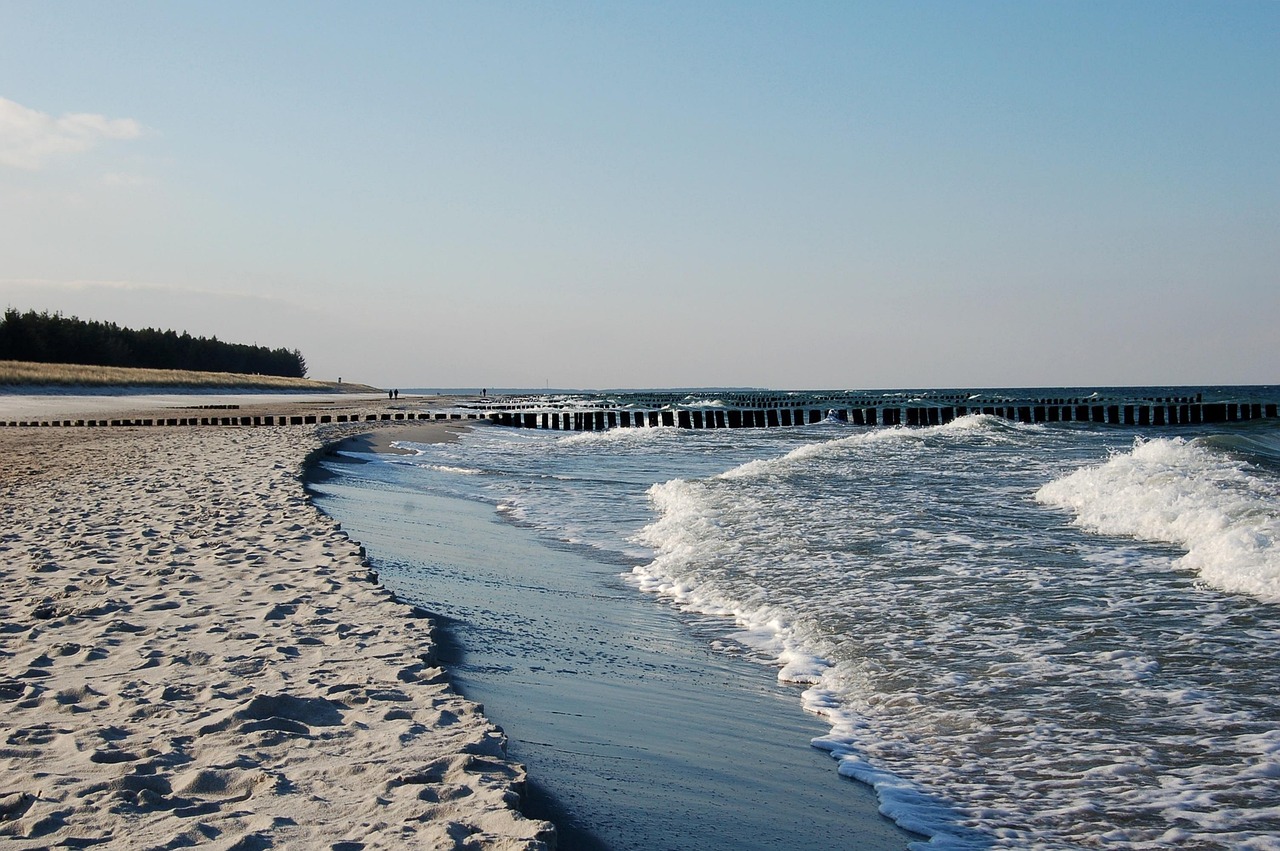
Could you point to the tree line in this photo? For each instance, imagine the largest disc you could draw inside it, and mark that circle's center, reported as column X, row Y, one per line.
column 54, row 338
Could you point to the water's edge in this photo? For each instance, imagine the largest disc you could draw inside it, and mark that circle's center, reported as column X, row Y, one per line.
column 635, row 732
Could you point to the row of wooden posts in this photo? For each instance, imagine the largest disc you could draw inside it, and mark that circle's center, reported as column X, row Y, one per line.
column 259, row 420
column 1115, row 414
column 598, row 420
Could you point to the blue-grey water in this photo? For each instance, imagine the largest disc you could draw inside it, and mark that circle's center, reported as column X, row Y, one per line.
column 1060, row 635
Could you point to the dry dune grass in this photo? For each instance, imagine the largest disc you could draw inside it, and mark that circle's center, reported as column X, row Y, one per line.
column 26, row 373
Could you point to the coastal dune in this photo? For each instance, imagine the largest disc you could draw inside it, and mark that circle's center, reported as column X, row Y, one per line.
column 192, row 654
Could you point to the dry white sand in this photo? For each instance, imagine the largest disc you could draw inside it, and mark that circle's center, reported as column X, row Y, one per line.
column 49, row 403
column 191, row 654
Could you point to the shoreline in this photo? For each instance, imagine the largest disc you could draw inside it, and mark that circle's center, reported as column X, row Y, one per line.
column 134, row 403
column 380, row 440
column 192, row 652
column 636, row 731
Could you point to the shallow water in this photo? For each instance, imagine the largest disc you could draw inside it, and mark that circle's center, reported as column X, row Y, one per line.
column 637, row 734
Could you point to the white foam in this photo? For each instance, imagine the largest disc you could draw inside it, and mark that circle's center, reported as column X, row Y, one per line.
column 1184, row 493
column 991, row 429
column 620, row 436
column 512, row 510
column 457, row 471
column 685, row 532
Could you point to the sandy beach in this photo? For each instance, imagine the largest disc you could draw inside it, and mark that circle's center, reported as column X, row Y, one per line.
column 191, row 654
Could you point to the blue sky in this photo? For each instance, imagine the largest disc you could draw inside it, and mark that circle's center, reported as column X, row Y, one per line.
column 788, row 195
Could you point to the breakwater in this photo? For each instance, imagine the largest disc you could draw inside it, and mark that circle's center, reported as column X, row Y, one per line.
column 244, row 420
column 775, row 412
column 731, row 410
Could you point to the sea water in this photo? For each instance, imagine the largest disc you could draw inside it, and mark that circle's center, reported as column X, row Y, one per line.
column 1059, row 635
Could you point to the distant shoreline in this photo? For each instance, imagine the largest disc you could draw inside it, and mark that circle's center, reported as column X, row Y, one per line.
column 32, row 377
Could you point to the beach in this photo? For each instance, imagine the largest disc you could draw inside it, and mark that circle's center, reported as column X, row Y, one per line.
column 691, row 639
column 192, row 654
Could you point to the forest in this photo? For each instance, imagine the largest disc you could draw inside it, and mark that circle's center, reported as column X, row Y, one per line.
column 54, row 338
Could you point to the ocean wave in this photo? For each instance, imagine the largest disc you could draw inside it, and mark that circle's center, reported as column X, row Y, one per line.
column 694, row 527
column 1191, row 495
column 1253, row 446
column 688, row 531
column 973, row 426
column 620, row 436
column 457, row 471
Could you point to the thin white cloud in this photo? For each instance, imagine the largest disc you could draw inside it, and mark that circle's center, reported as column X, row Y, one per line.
column 30, row 138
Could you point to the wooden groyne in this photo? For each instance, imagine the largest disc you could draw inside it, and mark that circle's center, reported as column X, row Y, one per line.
column 759, row 411
column 243, row 420
column 1149, row 413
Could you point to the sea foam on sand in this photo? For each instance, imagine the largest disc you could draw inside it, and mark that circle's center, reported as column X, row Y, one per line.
column 190, row 653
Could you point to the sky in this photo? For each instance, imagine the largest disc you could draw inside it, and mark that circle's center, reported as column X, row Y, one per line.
column 792, row 195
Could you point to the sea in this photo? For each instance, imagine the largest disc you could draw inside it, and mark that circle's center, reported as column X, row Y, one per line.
column 1016, row 635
